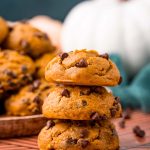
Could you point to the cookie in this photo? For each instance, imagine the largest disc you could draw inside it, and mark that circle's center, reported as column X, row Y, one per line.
column 42, row 62
column 15, row 70
column 28, row 40
column 81, row 135
column 83, row 67
column 28, row 100
column 81, row 103
column 3, row 29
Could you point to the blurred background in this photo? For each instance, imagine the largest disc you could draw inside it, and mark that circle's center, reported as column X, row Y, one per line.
column 120, row 28
column 18, row 9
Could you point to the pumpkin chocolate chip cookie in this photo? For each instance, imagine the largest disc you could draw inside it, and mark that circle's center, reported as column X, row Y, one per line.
column 28, row 40
column 15, row 70
column 78, row 135
column 28, row 100
column 81, row 103
column 3, row 29
column 83, row 67
column 42, row 62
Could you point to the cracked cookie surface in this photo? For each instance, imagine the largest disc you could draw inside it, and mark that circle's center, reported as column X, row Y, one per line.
column 28, row 100
column 3, row 29
column 81, row 103
column 82, row 67
column 15, row 70
column 28, row 40
column 78, row 135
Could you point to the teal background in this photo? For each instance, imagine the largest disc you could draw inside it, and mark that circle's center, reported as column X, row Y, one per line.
column 23, row 9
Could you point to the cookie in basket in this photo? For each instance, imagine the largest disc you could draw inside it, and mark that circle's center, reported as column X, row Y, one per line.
column 28, row 40
column 15, row 70
column 28, row 100
column 3, row 29
column 43, row 61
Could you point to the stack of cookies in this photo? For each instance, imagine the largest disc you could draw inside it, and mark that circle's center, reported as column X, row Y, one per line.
column 80, row 104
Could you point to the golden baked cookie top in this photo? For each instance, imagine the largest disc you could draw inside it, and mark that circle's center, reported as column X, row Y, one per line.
column 82, row 67
column 78, row 135
column 28, row 40
column 15, row 70
column 3, row 29
column 81, row 103
column 28, row 100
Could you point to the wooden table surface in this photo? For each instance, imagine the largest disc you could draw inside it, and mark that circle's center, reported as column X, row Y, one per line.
column 128, row 141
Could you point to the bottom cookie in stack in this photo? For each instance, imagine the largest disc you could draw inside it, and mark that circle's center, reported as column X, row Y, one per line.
column 78, row 135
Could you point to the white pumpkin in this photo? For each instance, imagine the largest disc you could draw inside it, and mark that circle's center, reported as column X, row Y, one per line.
column 113, row 26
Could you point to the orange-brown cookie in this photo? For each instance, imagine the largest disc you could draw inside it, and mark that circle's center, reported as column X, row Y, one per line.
column 15, row 70
column 82, row 67
column 81, row 135
column 43, row 61
column 3, row 29
column 28, row 100
column 81, row 103
column 28, row 40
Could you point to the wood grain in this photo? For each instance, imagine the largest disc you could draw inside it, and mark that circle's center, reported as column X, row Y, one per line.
column 128, row 141
column 21, row 126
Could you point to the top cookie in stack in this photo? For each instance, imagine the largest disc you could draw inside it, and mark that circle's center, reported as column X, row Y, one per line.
column 83, row 67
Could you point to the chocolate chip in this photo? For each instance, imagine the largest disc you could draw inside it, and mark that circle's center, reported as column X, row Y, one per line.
column 63, row 55
column 122, row 123
column 106, row 56
column 85, row 92
column 36, row 110
column 50, row 124
column 117, row 99
column 36, row 84
column 65, row 93
column 113, row 112
column 82, row 63
column 41, row 35
column 83, row 143
column 10, row 73
column 27, row 77
column 96, row 89
column 84, row 102
column 11, row 83
column 24, row 44
column 120, row 80
column 84, row 133
column 71, row 141
column 114, row 132
column 10, row 29
column 37, row 100
column 51, row 149
column 138, row 131
column 24, row 68
column 94, row 116
column 45, row 36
